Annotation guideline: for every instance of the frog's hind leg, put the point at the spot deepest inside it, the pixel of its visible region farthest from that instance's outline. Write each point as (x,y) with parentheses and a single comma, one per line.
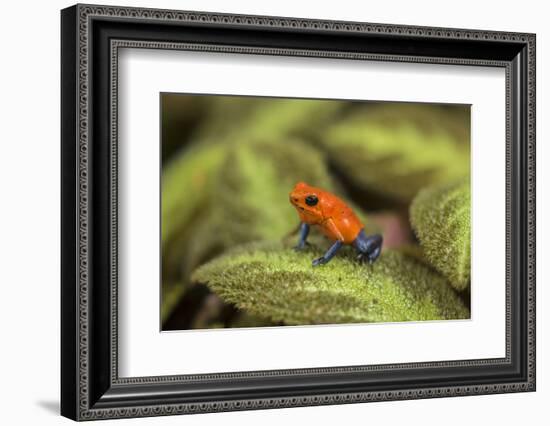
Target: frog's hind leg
(368,246)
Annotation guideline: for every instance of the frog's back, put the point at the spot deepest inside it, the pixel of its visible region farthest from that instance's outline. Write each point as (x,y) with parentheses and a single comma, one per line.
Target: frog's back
(343,217)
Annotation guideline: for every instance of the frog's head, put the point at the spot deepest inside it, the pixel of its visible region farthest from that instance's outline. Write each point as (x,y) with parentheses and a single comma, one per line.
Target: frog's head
(307,200)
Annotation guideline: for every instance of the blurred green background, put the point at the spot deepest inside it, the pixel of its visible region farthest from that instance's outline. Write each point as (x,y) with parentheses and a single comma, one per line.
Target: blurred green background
(228,164)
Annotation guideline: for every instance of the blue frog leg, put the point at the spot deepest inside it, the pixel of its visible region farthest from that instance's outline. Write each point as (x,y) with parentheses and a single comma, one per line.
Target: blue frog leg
(329,254)
(302,240)
(368,246)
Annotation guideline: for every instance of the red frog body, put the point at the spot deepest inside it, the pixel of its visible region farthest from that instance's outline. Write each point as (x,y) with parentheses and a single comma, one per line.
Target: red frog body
(317,207)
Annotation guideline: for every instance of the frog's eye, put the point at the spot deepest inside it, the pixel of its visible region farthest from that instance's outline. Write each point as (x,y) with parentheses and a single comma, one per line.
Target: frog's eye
(311,200)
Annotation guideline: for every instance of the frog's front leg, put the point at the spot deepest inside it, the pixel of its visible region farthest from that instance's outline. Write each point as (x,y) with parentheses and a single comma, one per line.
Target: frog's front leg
(333,230)
(329,254)
(304,232)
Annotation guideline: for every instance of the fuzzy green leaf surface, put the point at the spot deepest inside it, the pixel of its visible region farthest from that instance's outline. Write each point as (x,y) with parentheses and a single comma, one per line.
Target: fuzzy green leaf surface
(186,182)
(272,280)
(234,119)
(441,219)
(397,149)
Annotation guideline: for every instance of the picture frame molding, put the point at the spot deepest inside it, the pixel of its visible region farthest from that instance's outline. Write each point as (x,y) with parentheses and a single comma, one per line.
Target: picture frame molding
(91,38)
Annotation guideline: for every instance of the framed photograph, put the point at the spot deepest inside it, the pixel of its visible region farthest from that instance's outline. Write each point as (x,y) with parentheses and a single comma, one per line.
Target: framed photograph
(263,212)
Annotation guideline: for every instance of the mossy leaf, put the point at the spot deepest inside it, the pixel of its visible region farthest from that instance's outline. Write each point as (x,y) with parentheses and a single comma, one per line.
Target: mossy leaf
(272,280)
(186,182)
(397,149)
(234,119)
(186,185)
(440,217)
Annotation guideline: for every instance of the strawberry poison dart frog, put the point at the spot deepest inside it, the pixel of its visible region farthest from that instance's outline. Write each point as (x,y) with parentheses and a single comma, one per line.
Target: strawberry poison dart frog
(335,219)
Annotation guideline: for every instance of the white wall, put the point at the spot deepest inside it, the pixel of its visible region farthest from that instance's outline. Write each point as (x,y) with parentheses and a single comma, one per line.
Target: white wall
(29,212)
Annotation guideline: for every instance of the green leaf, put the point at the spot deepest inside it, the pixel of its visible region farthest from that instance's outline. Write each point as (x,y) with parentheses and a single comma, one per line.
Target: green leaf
(186,182)
(234,119)
(440,217)
(271,280)
(396,149)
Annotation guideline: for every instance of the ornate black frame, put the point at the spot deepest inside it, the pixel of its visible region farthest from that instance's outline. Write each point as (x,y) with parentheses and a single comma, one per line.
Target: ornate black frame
(91,37)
